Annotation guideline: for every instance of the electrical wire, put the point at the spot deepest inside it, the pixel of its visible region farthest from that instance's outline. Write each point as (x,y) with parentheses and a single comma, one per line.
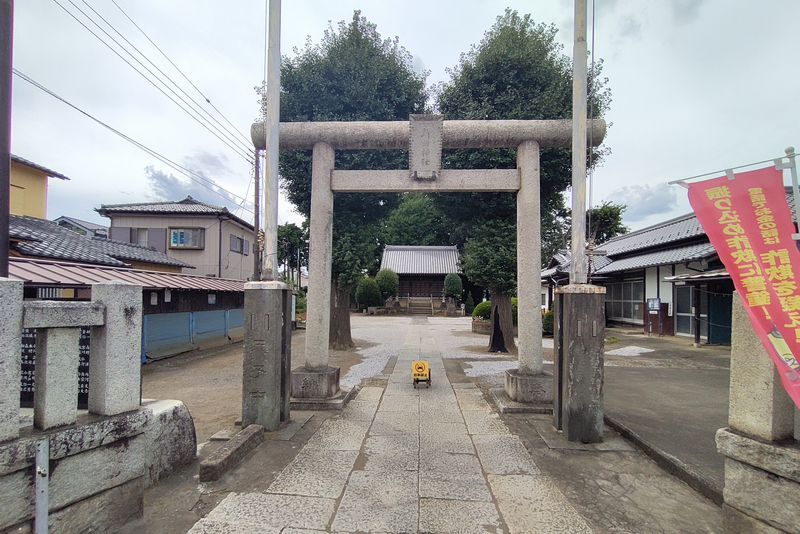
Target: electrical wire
(198,107)
(187,111)
(192,175)
(206,98)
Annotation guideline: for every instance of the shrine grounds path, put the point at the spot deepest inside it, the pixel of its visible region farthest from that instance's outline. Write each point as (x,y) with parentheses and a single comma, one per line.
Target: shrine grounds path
(433,460)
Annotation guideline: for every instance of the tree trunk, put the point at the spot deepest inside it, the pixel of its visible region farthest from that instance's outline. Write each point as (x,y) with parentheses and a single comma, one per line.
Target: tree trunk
(340,338)
(502,336)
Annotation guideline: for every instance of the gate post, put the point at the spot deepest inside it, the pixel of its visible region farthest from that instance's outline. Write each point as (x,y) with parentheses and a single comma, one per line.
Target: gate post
(528,383)
(316,385)
(262,378)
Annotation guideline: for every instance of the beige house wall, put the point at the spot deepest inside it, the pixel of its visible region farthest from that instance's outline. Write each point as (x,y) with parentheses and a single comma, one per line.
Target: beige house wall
(209,261)
(235,265)
(28,191)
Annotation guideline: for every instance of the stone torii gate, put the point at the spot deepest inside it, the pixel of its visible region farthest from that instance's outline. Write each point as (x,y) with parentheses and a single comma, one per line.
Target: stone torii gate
(424,136)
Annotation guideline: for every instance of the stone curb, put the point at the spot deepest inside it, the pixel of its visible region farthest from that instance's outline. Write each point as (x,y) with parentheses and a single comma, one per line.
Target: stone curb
(334,403)
(506,405)
(670,463)
(231,453)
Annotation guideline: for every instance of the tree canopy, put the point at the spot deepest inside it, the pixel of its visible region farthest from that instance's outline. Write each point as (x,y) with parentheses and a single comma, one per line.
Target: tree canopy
(292,247)
(351,74)
(415,221)
(605,221)
(517,71)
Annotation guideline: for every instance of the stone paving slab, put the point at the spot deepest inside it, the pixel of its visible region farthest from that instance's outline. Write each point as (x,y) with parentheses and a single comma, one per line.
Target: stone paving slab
(450,443)
(339,435)
(360,410)
(272,513)
(484,423)
(472,400)
(399,403)
(463,517)
(429,414)
(439,428)
(391,453)
(207,526)
(533,501)
(315,473)
(369,393)
(454,486)
(377,501)
(504,455)
(402,388)
(394,423)
(445,462)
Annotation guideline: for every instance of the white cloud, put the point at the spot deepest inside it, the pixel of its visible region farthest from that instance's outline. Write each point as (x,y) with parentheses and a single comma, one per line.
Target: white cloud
(643,201)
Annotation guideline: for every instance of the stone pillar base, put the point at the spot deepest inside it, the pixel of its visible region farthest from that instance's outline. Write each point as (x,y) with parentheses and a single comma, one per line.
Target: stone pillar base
(759,474)
(318,390)
(536,389)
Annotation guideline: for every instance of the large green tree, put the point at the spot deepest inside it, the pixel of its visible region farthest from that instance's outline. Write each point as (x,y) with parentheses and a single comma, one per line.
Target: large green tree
(602,223)
(490,260)
(517,71)
(292,250)
(351,74)
(415,221)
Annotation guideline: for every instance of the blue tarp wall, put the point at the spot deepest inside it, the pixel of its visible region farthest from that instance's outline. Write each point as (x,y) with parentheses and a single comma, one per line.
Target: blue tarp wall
(167,334)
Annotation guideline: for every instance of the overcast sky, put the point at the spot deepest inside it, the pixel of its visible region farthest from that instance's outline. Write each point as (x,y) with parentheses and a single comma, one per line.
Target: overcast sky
(698,85)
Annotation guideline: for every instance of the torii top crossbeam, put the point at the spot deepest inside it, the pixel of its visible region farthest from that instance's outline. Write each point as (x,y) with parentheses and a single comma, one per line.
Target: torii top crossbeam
(394,135)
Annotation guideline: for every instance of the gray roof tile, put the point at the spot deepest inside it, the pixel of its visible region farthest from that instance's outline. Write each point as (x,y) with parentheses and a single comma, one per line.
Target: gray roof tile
(660,257)
(420,260)
(187,206)
(46,239)
(40,168)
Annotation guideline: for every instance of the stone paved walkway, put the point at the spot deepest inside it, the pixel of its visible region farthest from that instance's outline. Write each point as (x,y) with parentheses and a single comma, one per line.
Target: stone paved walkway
(400,459)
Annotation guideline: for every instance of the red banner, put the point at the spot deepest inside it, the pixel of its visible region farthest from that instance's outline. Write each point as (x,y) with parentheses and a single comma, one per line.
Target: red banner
(749,222)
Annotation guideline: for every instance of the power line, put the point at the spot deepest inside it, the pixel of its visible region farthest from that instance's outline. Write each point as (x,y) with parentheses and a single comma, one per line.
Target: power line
(192,175)
(189,112)
(199,107)
(208,100)
(243,150)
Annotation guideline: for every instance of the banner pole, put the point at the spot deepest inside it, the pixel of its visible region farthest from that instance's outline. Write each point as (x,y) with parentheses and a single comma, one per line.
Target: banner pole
(792,166)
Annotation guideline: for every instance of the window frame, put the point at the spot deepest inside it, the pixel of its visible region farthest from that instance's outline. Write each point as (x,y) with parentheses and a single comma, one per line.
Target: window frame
(202,240)
(233,238)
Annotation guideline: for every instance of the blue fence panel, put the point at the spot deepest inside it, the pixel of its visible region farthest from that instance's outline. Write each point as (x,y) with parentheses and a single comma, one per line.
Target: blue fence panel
(166,334)
(209,327)
(236,324)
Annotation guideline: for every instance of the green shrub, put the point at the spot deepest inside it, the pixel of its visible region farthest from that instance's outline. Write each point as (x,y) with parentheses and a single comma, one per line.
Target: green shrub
(483,310)
(368,293)
(300,303)
(469,305)
(452,286)
(547,323)
(388,283)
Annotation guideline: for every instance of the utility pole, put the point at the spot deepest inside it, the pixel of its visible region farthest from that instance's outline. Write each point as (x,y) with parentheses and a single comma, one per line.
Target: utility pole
(271,127)
(6,56)
(257,218)
(579,328)
(577,271)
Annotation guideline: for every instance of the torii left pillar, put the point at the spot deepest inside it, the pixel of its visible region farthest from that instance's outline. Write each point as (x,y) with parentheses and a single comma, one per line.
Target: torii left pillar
(315,386)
